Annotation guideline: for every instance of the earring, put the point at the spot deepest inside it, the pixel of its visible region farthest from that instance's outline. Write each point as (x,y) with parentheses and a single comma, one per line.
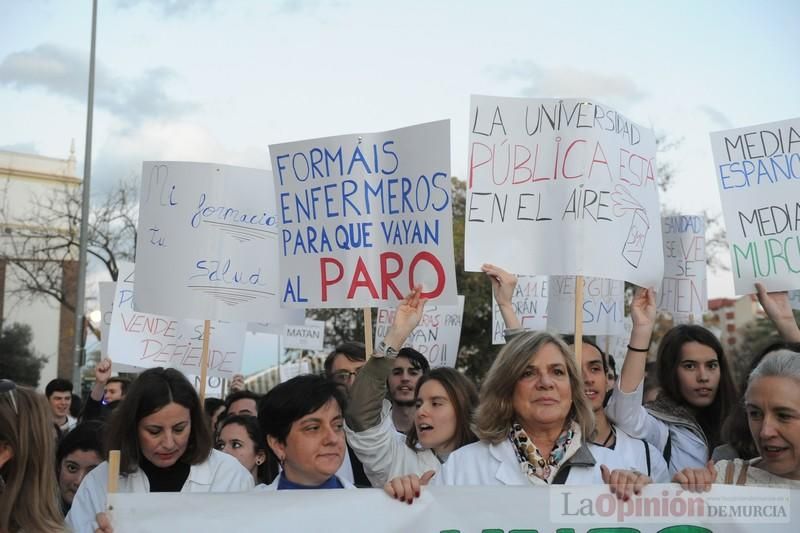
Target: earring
(258,462)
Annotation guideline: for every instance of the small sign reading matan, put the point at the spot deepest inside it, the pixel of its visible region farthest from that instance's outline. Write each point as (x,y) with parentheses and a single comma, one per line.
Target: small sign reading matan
(308,336)
(684,289)
(530,306)
(145,340)
(603,305)
(436,337)
(206,245)
(561,187)
(758,174)
(365,217)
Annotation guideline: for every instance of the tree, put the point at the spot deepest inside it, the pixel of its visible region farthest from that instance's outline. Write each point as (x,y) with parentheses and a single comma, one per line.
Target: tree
(18,362)
(51,235)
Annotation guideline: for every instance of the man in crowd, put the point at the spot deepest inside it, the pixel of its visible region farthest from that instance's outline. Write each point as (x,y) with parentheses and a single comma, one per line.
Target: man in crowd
(344,362)
(106,392)
(409,366)
(59,394)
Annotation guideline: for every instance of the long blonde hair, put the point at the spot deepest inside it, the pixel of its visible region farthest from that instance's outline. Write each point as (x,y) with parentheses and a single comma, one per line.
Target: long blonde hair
(495,412)
(29,497)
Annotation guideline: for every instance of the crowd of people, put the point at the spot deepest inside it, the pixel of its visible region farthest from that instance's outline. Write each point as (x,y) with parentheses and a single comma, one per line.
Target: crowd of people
(540,417)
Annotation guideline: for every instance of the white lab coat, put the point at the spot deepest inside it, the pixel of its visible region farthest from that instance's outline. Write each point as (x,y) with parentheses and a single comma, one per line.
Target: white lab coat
(262,487)
(219,473)
(384,453)
(626,411)
(481,463)
(628,454)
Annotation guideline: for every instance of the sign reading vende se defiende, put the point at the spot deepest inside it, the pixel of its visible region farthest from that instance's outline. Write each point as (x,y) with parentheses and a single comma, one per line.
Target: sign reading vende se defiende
(562,187)
(758,174)
(363,218)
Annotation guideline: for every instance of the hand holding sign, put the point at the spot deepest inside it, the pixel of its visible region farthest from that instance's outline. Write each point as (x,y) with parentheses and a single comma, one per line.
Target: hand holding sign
(406,318)
(779,310)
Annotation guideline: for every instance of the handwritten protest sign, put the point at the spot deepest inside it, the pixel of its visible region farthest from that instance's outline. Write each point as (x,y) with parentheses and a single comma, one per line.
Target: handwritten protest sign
(437,336)
(530,306)
(684,290)
(206,242)
(106,291)
(758,174)
(145,340)
(617,345)
(794,299)
(572,172)
(308,336)
(365,217)
(213,385)
(603,305)
(661,508)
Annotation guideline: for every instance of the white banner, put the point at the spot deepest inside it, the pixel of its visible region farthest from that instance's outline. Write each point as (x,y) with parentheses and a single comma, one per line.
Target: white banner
(206,242)
(758,173)
(684,290)
(603,305)
(308,336)
(570,177)
(660,509)
(438,335)
(365,217)
(530,306)
(145,340)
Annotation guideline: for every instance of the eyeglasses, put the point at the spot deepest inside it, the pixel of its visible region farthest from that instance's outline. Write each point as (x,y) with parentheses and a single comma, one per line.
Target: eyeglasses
(343,376)
(8,386)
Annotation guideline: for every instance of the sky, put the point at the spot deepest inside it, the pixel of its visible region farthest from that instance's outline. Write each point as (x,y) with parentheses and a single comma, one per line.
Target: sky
(214,80)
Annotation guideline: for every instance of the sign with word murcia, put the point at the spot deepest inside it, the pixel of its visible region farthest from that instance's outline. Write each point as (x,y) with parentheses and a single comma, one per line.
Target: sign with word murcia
(206,245)
(364,218)
(684,290)
(436,337)
(146,340)
(569,184)
(603,305)
(530,307)
(758,173)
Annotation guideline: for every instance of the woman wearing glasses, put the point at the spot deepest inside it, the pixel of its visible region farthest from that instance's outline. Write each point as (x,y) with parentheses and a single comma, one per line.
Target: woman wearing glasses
(28,490)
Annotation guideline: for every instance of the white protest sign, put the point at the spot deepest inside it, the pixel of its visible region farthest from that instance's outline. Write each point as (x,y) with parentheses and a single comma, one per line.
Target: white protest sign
(571,177)
(530,306)
(293,369)
(617,345)
(365,217)
(274,321)
(106,290)
(794,299)
(213,385)
(308,336)
(206,242)
(661,508)
(684,290)
(758,174)
(603,305)
(146,340)
(437,336)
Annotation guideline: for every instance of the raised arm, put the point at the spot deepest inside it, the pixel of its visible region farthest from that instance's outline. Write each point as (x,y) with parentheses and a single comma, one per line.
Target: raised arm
(369,387)
(643,315)
(93,407)
(778,309)
(503,285)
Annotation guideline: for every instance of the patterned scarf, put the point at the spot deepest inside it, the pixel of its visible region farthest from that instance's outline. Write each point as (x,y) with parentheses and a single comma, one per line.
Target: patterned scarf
(533,464)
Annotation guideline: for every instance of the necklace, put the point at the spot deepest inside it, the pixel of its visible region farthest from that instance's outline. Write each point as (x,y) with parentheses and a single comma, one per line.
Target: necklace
(611,433)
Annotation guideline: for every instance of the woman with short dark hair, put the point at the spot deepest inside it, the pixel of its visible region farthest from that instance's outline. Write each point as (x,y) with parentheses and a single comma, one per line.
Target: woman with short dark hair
(165,446)
(303,419)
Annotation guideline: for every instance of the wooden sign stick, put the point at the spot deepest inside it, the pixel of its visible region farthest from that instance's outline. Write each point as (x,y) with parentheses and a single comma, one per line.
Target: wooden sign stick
(368,330)
(204,360)
(113,473)
(578,321)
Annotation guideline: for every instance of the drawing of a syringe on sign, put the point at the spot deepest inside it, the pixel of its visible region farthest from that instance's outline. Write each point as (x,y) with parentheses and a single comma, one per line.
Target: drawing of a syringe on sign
(206,245)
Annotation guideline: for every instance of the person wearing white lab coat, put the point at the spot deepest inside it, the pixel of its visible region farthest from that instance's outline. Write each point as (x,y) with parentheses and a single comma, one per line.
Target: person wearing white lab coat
(165,446)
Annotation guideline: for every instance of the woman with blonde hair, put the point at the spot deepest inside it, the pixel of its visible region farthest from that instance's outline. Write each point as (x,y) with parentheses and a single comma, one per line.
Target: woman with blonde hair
(28,490)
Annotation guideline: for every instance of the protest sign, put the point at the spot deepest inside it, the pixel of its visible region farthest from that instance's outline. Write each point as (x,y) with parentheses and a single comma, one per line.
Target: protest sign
(308,336)
(794,299)
(366,217)
(603,305)
(684,289)
(617,345)
(106,291)
(293,369)
(437,336)
(570,177)
(213,385)
(206,242)
(530,306)
(275,319)
(146,340)
(758,174)
(478,509)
